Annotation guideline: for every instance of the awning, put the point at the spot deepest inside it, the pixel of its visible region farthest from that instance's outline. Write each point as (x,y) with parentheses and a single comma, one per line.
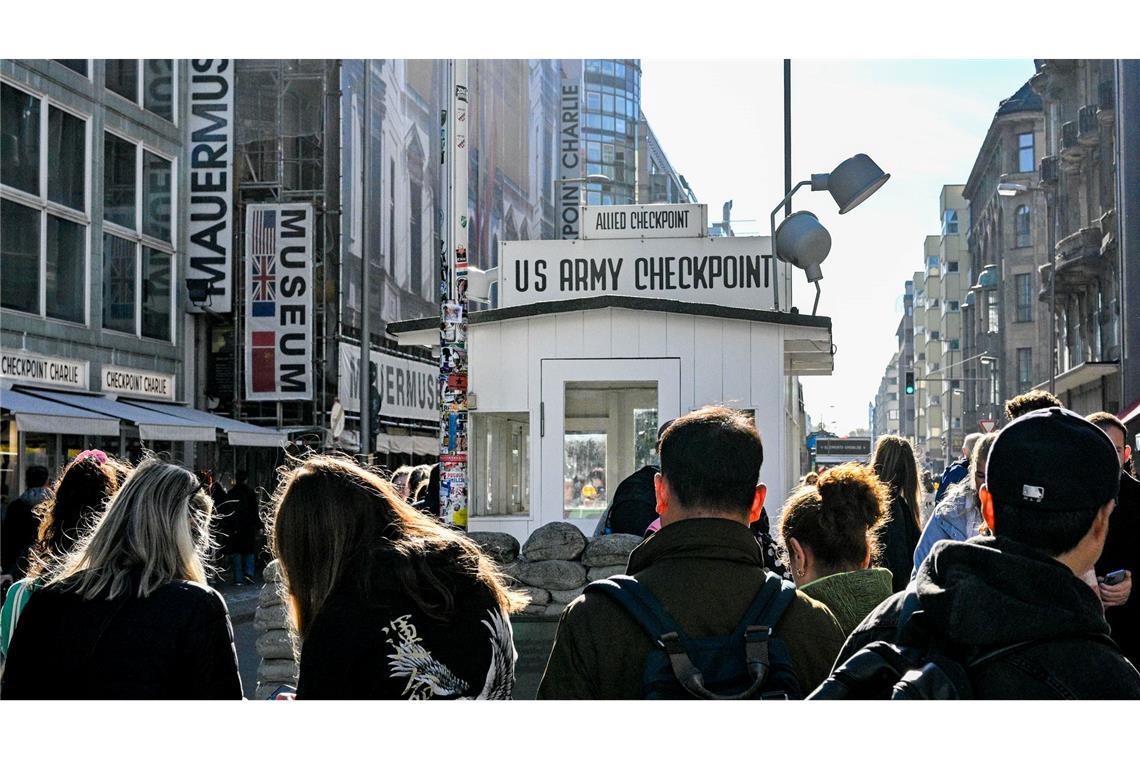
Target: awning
(420,445)
(152,425)
(237,432)
(38,415)
(1131,412)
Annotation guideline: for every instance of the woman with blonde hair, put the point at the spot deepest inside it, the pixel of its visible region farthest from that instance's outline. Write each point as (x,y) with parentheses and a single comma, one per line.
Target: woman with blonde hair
(388,602)
(895,465)
(958,516)
(127,614)
(829,531)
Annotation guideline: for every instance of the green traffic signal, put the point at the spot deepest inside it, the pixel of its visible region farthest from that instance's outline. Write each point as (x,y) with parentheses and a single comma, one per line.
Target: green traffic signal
(909,384)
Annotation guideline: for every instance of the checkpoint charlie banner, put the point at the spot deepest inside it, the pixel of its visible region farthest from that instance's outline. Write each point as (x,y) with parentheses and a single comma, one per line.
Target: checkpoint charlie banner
(279,301)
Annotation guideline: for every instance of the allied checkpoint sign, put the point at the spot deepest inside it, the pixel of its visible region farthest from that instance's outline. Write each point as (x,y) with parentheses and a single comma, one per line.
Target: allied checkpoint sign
(726,271)
(657,220)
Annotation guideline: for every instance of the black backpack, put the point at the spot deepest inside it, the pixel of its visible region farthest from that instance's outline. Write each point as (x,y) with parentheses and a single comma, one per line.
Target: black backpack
(883,670)
(749,663)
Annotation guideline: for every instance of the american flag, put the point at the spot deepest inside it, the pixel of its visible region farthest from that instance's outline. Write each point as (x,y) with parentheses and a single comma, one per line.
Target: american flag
(264,251)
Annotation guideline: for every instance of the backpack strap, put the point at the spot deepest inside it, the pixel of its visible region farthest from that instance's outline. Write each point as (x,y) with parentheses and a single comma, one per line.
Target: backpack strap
(641,605)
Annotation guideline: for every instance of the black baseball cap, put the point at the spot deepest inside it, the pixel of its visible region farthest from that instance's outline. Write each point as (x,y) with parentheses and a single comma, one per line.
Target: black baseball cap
(1053,460)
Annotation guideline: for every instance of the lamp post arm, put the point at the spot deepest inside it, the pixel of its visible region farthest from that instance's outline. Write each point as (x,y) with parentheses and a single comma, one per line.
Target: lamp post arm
(772,220)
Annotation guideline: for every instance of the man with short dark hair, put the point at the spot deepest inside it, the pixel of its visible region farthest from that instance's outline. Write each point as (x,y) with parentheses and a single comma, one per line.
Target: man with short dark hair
(1051,485)
(21,524)
(1122,547)
(1031,401)
(704,566)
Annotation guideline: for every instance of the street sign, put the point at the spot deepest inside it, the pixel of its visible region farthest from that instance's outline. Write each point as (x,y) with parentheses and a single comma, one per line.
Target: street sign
(987,426)
(850,447)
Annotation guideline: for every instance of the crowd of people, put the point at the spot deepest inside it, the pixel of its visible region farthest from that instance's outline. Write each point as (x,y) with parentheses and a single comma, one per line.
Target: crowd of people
(1017,584)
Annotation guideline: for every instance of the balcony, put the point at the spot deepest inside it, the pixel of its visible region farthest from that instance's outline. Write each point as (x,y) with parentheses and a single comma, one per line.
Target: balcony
(1049,170)
(1080,263)
(1088,128)
(1106,102)
(1071,150)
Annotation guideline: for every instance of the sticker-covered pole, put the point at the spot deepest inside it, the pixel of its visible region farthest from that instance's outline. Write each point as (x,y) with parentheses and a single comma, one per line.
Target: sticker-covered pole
(453,421)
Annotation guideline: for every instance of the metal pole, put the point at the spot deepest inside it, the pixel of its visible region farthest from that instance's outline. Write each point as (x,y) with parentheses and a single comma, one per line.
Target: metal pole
(453,416)
(788,170)
(366,431)
(1054,231)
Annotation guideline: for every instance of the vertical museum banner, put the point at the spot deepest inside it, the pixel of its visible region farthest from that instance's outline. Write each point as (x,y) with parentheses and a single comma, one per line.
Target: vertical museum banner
(209,255)
(279,301)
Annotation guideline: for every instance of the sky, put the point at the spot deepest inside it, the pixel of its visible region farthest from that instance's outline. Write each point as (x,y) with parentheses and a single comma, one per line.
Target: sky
(721,126)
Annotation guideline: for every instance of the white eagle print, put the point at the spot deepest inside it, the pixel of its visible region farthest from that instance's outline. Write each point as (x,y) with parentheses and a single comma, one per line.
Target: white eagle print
(428,678)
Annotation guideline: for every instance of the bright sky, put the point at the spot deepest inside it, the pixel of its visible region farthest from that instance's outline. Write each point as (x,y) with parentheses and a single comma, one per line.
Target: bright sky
(721,125)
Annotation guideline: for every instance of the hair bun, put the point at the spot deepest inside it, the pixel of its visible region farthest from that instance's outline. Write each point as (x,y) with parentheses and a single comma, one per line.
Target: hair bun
(852,492)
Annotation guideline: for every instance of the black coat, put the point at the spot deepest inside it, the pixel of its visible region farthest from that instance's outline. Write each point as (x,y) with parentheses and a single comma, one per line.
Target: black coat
(988,592)
(634,504)
(1122,552)
(175,644)
(242,524)
(897,541)
(18,534)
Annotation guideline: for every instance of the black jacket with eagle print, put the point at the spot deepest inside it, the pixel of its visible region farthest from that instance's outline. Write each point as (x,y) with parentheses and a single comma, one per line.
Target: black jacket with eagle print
(376,643)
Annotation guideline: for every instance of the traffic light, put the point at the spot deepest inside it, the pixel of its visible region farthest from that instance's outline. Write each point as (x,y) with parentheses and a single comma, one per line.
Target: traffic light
(909,384)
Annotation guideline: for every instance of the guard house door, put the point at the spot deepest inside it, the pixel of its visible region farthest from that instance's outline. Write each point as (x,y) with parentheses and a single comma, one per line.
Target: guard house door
(598,424)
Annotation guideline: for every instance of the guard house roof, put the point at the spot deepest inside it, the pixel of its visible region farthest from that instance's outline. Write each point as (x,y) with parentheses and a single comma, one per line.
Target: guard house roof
(806,353)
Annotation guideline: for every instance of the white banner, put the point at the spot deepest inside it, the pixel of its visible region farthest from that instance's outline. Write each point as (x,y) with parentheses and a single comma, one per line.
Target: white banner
(569,149)
(279,301)
(133,382)
(659,220)
(726,271)
(407,388)
(209,260)
(34,369)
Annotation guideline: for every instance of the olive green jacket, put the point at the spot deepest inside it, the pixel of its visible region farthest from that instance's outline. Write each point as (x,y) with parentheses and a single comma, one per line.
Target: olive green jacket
(705,572)
(851,596)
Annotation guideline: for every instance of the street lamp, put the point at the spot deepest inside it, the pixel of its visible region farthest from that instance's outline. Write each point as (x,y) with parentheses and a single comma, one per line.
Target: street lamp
(801,240)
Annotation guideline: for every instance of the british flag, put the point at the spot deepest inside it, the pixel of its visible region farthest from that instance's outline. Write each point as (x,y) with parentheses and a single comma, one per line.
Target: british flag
(263,282)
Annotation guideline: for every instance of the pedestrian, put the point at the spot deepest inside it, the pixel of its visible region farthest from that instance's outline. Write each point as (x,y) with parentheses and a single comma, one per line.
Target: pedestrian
(21,524)
(1031,401)
(959,516)
(1010,610)
(703,570)
(388,603)
(244,524)
(128,614)
(895,465)
(222,524)
(400,481)
(829,532)
(79,497)
(957,471)
(427,500)
(1121,547)
(418,479)
(634,505)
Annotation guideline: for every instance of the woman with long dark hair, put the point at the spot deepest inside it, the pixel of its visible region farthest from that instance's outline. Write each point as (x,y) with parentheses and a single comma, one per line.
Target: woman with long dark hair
(388,602)
(896,467)
(127,614)
(81,493)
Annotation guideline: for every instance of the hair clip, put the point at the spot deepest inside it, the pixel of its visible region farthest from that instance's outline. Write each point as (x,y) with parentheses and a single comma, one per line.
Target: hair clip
(96,454)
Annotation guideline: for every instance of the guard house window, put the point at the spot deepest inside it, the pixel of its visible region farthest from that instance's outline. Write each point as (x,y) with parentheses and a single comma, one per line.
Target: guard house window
(500,465)
(138,251)
(1021,220)
(950,222)
(1024,286)
(43,165)
(156,77)
(1024,369)
(1025,157)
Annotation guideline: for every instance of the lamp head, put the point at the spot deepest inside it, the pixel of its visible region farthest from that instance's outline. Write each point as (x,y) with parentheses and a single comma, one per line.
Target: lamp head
(1010,189)
(803,242)
(852,182)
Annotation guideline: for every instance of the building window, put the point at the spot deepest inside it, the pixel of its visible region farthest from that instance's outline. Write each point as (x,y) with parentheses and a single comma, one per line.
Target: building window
(950,222)
(119,181)
(952,306)
(1024,369)
(951,266)
(138,252)
(78,65)
(933,264)
(1024,285)
(1021,220)
(123,77)
(1026,161)
(43,258)
(993,321)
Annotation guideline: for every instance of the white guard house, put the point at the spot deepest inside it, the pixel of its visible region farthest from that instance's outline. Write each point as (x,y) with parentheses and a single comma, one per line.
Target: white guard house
(597,341)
